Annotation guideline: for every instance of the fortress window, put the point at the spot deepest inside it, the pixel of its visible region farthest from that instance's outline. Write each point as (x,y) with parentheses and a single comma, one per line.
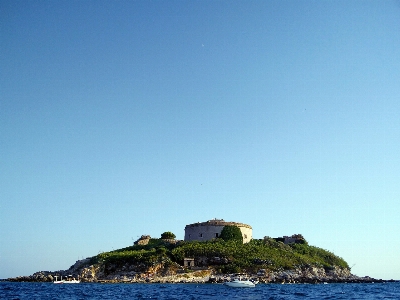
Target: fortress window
(216,235)
(200,235)
(245,236)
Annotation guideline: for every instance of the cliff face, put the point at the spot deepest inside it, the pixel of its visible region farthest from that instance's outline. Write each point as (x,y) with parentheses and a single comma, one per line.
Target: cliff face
(174,273)
(308,275)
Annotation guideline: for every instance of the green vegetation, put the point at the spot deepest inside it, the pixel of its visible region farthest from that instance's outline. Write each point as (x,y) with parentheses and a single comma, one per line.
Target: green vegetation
(231,233)
(168,235)
(225,256)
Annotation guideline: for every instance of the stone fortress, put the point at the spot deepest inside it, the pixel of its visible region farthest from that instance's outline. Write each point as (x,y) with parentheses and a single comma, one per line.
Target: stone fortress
(211,229)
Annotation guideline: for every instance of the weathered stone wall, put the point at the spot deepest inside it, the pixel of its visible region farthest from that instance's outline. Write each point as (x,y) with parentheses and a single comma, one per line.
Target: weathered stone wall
(211,229)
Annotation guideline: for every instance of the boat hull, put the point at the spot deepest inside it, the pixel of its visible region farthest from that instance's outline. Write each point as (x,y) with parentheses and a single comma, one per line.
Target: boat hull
(240,284)
(72,281)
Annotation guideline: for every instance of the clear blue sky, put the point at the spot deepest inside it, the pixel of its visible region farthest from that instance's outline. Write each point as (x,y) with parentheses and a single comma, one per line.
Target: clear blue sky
(123,118)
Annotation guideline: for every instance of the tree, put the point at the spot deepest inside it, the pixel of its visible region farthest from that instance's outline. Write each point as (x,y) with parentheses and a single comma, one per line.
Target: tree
(231,233)
(161,251)
(168,235)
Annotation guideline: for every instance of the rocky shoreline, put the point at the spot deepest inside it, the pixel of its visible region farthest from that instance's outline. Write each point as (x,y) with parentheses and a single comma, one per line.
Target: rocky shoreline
(85,272)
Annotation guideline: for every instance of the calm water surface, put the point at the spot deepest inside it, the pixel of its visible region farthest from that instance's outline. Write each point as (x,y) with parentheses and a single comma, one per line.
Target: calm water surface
(197,291)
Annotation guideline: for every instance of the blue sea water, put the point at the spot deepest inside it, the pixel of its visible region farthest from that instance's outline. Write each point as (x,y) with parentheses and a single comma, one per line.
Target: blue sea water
(10,290)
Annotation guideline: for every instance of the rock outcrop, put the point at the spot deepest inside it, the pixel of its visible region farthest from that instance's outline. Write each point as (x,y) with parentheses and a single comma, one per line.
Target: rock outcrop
(143,240)
(174,273)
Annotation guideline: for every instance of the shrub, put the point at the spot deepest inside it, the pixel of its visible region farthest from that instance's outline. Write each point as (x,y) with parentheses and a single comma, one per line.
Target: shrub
(161,251)
(231,233)
(168,235)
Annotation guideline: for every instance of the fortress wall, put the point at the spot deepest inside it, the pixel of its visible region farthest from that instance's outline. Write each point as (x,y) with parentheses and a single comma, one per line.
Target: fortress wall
(202,232)
(209,230)
(247,234)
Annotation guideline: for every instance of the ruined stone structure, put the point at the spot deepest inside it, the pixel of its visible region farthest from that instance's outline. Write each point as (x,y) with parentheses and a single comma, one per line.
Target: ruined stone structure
(294,239)
(211,229)
(143,240)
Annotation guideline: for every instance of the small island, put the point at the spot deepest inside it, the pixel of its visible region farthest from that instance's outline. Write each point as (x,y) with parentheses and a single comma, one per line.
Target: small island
(212,252)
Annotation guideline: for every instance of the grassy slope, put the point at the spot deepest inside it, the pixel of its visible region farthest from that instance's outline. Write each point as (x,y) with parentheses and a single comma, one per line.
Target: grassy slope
(258,254)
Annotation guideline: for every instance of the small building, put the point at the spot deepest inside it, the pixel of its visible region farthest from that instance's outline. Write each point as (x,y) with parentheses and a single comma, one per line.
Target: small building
(206,231)
(289,240)
(188,262)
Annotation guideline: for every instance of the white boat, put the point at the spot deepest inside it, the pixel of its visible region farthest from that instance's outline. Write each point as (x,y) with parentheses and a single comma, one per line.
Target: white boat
(238,282)
(73,280)
(69,279)
(58,281)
